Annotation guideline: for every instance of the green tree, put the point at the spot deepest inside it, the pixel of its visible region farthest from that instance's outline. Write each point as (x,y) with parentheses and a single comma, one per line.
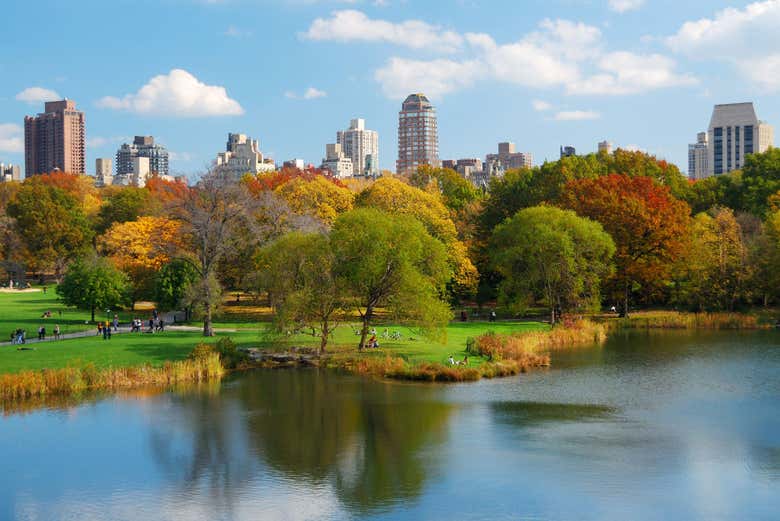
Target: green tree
(297,270)
(391,261)
(124,204)
(52,225)
(553,254)
(765,257)
(171,283)
(761,178)
(93,282)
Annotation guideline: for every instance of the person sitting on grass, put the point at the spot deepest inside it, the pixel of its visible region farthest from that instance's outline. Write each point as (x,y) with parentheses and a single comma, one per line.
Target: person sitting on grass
(372,341)
(451,360)
(465,361)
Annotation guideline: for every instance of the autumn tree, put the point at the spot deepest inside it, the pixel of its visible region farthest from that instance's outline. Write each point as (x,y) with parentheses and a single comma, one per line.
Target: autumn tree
(649,226)
(317,197)
(553,255)
(216,217)
(298,271)
(140,248)
(52,225)
(122,205)
(390,261)
(396,197)
(91,283)
(81,187)
(717,264)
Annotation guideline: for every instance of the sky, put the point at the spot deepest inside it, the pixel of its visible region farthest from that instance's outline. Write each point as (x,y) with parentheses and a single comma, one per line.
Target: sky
(643,74)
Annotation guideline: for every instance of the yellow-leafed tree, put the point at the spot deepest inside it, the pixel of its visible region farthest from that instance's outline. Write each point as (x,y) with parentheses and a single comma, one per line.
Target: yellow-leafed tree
(318,197)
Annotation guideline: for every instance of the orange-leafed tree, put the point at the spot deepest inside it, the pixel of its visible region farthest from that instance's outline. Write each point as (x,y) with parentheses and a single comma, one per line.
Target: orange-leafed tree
(140,248)
(164,193)
(79,186)
(649,226)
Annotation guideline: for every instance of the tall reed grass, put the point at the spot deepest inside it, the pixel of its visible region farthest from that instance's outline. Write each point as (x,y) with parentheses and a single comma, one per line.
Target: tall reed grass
(677,320)
(72,380)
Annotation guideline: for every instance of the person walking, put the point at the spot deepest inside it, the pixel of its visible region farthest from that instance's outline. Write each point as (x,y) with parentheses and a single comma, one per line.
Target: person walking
(57,332)
(116,322)
(42,333)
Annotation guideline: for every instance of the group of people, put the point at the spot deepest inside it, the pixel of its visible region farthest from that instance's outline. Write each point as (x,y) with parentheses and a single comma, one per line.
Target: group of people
(156,324)
(19,335)
(452,361)
(104,328)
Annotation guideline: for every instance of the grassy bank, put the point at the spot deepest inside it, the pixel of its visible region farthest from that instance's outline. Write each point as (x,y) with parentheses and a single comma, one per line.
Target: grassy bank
(74,380)
(681,320)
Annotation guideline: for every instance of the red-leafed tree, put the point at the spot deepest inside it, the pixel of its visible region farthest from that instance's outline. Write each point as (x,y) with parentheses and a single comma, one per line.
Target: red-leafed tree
(649,226)
(273,180)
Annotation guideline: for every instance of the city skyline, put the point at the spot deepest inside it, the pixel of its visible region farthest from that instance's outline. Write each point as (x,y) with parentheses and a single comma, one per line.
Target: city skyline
(587,84)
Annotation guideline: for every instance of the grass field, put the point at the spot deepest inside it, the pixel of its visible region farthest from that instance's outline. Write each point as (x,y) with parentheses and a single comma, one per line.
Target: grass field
(19,309)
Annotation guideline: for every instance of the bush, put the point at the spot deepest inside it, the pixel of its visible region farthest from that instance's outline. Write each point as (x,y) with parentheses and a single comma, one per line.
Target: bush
(229,354)
(201,352)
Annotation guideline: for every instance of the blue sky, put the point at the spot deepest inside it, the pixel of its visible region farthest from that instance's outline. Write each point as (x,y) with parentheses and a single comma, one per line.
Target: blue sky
(640,73)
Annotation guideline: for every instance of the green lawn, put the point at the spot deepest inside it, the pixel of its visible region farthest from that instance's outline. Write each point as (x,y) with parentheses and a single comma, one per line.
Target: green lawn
(25,310)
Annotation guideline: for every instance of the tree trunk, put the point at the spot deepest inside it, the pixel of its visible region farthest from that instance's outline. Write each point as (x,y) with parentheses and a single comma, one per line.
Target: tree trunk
(364,331)
(207,329)
(625,309)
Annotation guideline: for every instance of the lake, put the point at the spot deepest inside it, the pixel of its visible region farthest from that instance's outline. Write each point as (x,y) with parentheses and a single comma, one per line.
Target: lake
(661,425)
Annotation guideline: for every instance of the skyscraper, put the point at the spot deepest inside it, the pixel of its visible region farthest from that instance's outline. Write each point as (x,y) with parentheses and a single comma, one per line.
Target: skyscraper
(142,146)
(418,135)
(103,171)
(362,146)
(242,156)
(54,139)
(697,157)
(734,132)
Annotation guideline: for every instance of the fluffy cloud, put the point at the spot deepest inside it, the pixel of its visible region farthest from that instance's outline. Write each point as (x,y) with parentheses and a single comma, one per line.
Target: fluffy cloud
(310,93)
(177,93)
(35,95)
(11,138)
(350,26)
(435,77)
(621,6)
(576,115)
(557,54)
(746,38)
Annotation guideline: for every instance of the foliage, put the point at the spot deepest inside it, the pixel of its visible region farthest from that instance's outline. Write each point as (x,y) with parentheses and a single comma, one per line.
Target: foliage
(318,197)
(649,226)
(761,179)
(273,180)
(387,260)
(456,192)
(51,224)
(396,197)
(553,254)
(122,204)
(297,270)
(91,283)
(172,281)
(81,187)
(718,190)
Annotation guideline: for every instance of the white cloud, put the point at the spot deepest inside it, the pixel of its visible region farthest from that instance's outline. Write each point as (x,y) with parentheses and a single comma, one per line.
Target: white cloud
(33,95)
(621,6)
(576,115)
(400,76)
(177,93)
(310,93)
(11,138)
(746,38)
(628,73)
(540,105)
(350,25)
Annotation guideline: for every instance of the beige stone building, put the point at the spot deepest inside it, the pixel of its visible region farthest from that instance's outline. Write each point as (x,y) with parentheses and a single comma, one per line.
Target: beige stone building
(418,135)
(734,132)
(55,140)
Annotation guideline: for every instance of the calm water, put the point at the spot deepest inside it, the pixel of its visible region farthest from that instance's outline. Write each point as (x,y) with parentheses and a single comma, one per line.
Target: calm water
(659,426)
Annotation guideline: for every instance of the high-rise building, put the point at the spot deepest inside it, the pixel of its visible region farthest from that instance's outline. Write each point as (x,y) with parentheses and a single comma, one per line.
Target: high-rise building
(508,158)
(142,146)
(103,171)
(568,151)
(734,132)
(605,147)
(242,156)
(54,139)
(418,135)
(698,157)
(362,146)
(336,162)
(10,172)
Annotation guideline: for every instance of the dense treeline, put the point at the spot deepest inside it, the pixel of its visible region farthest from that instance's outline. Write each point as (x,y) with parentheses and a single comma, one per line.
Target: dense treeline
(622,230)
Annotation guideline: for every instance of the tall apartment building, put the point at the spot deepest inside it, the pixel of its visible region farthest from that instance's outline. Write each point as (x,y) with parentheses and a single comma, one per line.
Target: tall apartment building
(10,172)
(568,151)
(336,162)
(734,132)
(142,146)
(605,147)
(103,171)
(418,135)
(54,139)
(362,146)
(242,156)
(508,158)
(698,157)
